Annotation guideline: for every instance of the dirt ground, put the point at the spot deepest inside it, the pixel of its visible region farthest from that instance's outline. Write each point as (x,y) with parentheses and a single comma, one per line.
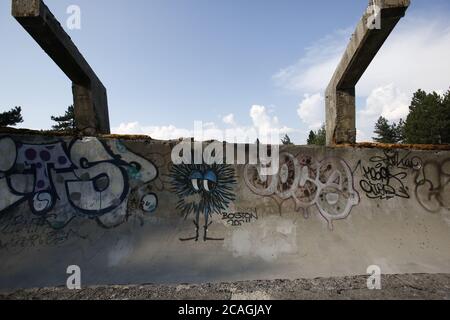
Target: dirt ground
(417,286)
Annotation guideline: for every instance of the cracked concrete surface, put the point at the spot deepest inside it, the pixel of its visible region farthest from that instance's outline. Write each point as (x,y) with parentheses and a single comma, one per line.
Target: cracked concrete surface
(408,286)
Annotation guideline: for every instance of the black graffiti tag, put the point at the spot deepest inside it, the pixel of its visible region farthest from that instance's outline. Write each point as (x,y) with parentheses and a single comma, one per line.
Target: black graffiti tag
(237,219)
(392,159)
(380,183)
(19,232)
(386,176)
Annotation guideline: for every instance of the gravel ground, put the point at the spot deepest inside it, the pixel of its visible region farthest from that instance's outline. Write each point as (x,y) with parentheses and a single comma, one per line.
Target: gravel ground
(417,286)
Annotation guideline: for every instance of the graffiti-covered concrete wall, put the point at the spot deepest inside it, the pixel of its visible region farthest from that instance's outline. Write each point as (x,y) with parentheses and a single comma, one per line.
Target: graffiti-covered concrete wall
(124,213)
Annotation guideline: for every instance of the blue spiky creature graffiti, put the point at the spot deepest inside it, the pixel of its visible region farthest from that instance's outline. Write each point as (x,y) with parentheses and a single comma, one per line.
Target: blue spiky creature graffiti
(202,190)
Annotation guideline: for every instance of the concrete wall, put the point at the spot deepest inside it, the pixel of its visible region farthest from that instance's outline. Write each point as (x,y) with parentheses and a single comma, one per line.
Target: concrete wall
(124,213)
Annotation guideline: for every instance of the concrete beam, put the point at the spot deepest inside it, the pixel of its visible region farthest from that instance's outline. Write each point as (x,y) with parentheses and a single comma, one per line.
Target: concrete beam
(90,97)
(366,41)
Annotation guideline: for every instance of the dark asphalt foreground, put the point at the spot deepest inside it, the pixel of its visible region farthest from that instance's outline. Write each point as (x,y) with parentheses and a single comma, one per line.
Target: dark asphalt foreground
(417,286)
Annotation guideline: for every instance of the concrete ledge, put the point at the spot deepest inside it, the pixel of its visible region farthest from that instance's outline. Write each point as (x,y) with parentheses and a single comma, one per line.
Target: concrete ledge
(407,286)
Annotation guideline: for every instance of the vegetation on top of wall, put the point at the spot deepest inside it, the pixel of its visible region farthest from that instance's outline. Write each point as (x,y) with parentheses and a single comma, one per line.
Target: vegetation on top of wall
(428,122)
(11,117)
(317,137)
(66,122)
(429,118)
(286,140)
(388,133)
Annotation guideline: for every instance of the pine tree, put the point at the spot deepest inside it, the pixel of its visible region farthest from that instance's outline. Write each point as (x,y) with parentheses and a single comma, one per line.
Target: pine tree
(399,131)
(384,132)
(428,121)
(389,133)
(66,122)
(311,138)
(286,140)
(445,118)
(317,138)
(321,136)
(11,117)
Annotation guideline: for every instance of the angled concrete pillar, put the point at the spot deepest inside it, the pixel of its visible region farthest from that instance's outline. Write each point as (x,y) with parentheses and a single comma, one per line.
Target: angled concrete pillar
(90,98)
(372,31)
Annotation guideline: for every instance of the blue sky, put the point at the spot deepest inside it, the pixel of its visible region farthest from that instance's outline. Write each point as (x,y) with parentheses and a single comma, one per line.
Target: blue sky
(231,64)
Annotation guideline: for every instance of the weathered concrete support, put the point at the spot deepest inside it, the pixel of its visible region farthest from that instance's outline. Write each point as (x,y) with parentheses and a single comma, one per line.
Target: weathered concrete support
(364,45)
(90,100)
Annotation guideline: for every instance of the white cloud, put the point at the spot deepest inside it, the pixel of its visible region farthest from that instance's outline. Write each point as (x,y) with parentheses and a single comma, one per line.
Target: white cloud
(156,132)
(262,120)
(265,124)
(312,110)
(415,56)
(229,119)
(387,101)
(262,126)
(313,71)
